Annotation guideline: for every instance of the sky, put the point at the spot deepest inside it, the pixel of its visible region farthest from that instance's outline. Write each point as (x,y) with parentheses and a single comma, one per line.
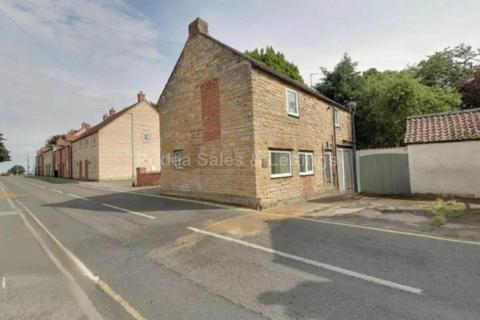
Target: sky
(65,62)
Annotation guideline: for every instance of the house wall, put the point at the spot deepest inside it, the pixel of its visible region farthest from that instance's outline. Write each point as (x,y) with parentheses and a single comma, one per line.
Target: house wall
(275,129)
(48,163)
(206,111)
(85,149)
(445,168)
(115,140)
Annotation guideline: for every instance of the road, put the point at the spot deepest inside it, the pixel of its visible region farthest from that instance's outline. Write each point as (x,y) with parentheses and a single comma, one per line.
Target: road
(160,258)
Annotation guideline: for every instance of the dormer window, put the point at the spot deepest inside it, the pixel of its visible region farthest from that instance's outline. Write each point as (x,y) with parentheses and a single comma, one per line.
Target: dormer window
(292,103)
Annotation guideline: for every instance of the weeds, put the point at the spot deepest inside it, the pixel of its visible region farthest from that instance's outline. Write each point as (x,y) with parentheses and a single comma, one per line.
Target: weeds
(442,211)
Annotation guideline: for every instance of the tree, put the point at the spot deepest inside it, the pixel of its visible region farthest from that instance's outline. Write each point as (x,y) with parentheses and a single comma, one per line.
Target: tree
(16,170)
(470,90)
(342,83)
(447,68)
(53,140)
(276,61)
(386,98)
(4,153)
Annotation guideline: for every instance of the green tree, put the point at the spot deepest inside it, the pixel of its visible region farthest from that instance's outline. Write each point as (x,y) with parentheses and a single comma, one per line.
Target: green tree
(276,60)
(4,153)
(53,139)
(342,83)
(386,98)
(447,68)
(470,90)
(16,170)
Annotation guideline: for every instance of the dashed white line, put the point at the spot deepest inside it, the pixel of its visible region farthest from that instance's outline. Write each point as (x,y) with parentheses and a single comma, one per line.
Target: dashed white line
(129,211)
(55,190)
(77,197)
(325,266)
(4,282)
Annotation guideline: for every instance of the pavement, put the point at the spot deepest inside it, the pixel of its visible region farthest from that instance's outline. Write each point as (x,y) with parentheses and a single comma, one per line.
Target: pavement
(164,258)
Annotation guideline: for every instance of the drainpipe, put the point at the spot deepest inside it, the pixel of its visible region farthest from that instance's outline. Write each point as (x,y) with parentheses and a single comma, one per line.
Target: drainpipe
(353,108)
(334,148)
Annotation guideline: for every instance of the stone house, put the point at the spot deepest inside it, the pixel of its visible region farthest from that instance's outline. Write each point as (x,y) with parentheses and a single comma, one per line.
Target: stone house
(233,130)
(123,141)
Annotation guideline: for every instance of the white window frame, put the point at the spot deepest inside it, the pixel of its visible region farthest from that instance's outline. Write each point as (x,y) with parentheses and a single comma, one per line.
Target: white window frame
(336,117)
(331,167)
(178,163)
(287,90)
(307,172)
(280,175)
(147,134)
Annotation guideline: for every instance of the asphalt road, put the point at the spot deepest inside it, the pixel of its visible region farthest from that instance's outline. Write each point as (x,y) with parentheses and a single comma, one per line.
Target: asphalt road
(172,259)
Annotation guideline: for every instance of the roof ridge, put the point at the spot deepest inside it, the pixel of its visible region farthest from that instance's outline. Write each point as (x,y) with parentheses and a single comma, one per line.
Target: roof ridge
(443,113)
(270,70)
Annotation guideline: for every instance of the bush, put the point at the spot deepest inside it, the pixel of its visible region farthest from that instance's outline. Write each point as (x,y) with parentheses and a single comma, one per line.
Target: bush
(444,210)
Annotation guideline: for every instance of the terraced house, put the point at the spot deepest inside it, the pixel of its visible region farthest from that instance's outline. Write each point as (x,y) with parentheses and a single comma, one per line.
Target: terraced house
(123,141)
(239,132)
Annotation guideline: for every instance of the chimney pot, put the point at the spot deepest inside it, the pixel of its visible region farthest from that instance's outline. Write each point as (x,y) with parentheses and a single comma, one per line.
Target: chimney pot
(85,125)
(197,26)
(111,112)
(141,96)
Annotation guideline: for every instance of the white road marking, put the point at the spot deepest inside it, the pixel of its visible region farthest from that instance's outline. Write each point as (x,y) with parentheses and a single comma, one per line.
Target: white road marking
(85,302)
(77,197)
(8,213)
(129,211)
(325,266)
(40,186)
(4,282)
(55,190)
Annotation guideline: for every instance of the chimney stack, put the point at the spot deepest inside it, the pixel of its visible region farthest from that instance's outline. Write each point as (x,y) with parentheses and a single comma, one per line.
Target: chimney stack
(197,26)
(141,96)
(85,125)
(111,112)
(105,116)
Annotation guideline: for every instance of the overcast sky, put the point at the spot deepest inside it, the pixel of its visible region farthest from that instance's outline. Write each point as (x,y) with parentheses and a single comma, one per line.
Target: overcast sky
(64,62)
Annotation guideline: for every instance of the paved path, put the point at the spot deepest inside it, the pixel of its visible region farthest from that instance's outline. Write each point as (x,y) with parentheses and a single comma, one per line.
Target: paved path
(172,259)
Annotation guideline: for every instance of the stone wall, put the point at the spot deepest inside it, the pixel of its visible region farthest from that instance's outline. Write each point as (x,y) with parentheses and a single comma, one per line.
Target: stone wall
(206,111)
(311,131)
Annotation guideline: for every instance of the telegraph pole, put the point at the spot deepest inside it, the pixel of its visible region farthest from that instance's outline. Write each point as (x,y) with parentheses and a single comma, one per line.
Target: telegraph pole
(28,163)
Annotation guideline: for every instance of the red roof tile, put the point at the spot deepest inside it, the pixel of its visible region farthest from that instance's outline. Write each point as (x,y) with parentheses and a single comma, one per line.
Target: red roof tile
(442,127)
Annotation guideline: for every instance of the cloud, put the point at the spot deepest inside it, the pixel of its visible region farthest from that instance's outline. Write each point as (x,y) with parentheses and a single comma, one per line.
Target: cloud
(64,62)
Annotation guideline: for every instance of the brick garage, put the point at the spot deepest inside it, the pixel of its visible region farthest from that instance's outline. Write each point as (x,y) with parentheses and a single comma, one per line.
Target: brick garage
(224,114)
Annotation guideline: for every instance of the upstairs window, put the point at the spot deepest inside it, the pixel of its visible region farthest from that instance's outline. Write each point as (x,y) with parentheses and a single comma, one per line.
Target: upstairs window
(305,163)
(280,164)
(336,117)
(292,103)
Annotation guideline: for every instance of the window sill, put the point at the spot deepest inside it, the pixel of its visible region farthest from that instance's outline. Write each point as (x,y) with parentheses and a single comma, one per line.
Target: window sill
(281,176)
(293,115)
(307,174)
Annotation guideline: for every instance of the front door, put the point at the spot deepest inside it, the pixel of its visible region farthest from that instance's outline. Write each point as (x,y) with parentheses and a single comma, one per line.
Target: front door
(345,169)
(86,169)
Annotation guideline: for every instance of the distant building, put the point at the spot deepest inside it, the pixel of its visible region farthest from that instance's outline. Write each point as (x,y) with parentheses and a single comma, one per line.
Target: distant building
(123,141)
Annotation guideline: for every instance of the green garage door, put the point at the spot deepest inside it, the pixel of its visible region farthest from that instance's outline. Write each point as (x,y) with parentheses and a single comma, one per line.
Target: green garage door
(384,173)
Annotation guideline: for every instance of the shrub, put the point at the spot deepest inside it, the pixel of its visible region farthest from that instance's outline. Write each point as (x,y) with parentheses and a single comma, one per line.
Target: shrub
(444,210)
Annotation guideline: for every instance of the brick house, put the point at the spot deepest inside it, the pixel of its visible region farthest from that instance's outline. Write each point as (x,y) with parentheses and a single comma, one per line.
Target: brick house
(236,131)
(123,141)
(41,169)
